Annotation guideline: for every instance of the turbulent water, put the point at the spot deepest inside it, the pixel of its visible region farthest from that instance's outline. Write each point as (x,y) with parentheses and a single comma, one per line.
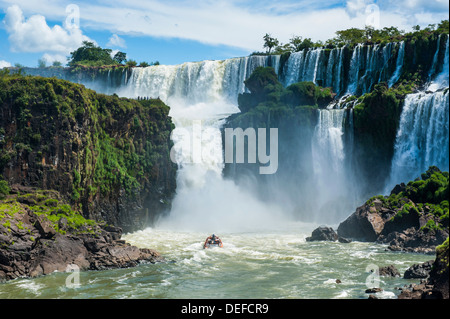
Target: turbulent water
(266,263)
(265,253)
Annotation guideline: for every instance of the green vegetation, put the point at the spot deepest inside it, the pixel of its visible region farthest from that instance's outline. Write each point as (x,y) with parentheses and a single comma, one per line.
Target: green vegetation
(48,205)
(91,55)
(352,37)
(442,253)
(42,63)
(4,188)
(109,145)
(425,196)
(377,115)
(269,104)
(270,42)
(266,91)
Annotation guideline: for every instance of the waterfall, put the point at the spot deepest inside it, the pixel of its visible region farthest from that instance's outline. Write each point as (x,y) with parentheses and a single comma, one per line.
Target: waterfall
(442,79)
(423,134)
(335,70)
(328,146)
(201,96)
(399,63)
(330,151)
(435,62)
(422,138)
(368,65)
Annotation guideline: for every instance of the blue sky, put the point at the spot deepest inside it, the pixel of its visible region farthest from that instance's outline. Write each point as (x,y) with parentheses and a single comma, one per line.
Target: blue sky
(177,31)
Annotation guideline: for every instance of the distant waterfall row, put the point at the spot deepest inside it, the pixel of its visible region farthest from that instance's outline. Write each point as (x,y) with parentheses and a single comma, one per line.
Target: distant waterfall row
(355,74)
(196,82)
(347,72)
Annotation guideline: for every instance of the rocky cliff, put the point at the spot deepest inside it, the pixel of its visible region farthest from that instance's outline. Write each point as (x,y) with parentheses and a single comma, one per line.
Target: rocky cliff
(413,218)
(107,156)
(40,233)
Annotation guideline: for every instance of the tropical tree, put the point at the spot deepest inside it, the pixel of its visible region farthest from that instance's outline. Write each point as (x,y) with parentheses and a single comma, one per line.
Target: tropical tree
(42,63)
(270,42)
(90,54)
(120,57)
(131,63)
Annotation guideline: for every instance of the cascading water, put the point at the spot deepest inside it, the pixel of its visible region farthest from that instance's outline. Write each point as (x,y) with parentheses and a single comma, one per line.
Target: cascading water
(399,63)
(423,135)
(330,163)
(368,65)
(277,263)
(206,92)
(201,96)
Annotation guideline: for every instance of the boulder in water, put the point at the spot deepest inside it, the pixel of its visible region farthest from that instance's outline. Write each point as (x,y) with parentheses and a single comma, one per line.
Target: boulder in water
(389,271)
(419,270)
(323,233)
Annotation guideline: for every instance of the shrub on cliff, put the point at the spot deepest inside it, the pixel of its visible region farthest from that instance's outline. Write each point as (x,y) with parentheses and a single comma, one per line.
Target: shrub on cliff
(425,196)
(4,189)
(93,148)
(91,55)
(267,93)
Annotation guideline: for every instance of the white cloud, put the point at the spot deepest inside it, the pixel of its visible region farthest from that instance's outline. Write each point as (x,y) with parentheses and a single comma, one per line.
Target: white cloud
(4,64)
(116,41)
(234,23)
(35,35)
(50,58)
(355,7)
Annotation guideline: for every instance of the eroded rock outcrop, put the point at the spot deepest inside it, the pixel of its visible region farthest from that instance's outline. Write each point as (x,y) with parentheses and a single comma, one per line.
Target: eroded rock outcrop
(436,284)
(414,218)
(49,236)
(105,154)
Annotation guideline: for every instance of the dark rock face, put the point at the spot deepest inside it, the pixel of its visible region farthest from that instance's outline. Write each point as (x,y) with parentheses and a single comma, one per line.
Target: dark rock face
(436,284)
(374,222)
(411,240)
(35,250)
(106,154)
(366,224)
(419,270)
(389,271)
(324,233)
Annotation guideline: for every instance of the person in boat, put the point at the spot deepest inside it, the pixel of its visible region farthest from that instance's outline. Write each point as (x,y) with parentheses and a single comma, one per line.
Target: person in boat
(213,240)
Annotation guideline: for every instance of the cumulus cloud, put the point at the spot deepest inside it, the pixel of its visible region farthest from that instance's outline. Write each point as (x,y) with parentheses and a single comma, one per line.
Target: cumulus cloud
(116,41)
(50,58)
(355,7)
(235,23)
(35,35)
(4,64)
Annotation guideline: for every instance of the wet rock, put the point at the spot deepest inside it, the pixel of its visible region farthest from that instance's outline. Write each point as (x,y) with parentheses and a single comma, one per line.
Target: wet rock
(398,189)
(389,271)
(365,224)
(344,240)
(373,290)
(436,285)
(323,233)
(419,270)
(41,250)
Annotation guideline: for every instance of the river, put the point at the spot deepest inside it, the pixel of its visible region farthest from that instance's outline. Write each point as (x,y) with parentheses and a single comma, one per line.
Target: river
(265,263)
